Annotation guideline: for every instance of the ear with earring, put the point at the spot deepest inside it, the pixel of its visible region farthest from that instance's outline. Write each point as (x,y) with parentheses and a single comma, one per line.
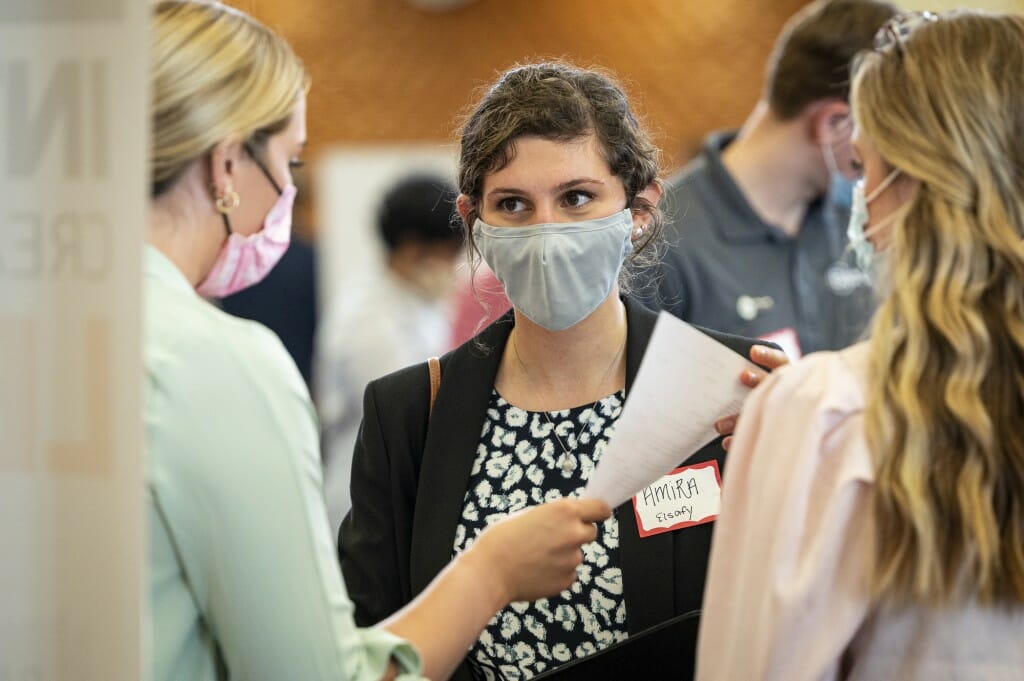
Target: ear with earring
(226,201)
(638,232)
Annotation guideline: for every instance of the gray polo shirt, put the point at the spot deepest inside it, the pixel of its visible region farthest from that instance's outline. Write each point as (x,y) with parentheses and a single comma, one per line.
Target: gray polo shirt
(728,270)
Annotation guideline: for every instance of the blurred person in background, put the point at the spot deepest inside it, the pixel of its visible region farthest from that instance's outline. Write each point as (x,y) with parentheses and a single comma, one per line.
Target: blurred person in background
(480,301)
(872,522)
(395,314)
(757,223)
(243,582)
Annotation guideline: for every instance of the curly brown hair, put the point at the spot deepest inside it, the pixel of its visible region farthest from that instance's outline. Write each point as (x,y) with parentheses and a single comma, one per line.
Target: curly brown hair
(560,101)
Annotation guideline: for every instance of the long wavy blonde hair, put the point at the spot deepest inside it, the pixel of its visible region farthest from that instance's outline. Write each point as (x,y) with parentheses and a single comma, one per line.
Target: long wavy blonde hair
(946,408)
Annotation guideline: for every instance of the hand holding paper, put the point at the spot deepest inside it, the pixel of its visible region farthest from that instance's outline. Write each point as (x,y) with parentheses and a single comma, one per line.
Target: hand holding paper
(687,380)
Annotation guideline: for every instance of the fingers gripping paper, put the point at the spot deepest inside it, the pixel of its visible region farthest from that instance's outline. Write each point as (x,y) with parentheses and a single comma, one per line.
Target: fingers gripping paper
(686,382)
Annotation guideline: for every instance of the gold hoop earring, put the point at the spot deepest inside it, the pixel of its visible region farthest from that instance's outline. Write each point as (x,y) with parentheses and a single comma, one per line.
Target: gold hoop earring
(227,201)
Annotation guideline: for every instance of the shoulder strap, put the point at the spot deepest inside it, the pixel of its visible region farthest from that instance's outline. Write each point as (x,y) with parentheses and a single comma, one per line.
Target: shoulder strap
(434,366)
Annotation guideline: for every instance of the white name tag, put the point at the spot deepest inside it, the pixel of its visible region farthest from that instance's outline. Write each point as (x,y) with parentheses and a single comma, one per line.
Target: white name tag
(688,496)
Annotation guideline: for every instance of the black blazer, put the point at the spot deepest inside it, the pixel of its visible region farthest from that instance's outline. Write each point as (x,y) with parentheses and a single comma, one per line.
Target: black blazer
(409,482)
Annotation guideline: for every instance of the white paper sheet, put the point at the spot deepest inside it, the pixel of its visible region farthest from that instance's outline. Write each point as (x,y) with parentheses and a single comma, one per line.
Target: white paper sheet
(686,382)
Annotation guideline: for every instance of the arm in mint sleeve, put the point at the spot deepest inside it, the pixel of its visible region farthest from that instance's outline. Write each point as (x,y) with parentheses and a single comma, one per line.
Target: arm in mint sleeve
(245,509)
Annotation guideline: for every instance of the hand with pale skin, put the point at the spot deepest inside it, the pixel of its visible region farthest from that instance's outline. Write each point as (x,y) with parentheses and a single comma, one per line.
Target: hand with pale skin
(524,557)
(764,356)
(535,552)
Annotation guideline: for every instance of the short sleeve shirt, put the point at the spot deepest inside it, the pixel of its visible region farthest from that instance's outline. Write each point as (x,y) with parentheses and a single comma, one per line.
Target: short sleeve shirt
(728,270)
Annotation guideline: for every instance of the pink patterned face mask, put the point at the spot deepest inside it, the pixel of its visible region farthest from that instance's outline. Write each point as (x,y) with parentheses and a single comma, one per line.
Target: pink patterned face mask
(246,260)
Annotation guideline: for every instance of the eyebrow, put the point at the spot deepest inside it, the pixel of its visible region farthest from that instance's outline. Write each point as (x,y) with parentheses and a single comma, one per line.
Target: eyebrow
(562,187)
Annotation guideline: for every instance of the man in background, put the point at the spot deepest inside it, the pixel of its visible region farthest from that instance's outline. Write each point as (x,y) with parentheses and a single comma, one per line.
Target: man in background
(757,222)
(392,315)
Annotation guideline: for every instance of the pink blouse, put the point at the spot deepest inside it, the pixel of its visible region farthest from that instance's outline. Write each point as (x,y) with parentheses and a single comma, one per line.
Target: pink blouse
(787,594)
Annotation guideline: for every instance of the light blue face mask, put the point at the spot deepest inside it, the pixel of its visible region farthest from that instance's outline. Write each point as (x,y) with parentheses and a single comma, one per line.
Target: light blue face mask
(557,274)
(861,245)
(840,189)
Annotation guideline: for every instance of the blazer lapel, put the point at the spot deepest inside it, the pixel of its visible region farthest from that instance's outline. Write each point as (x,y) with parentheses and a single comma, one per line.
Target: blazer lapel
(648,571)
(467,378)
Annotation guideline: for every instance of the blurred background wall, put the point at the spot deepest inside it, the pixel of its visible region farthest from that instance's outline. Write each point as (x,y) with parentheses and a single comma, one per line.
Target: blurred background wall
(391,79)
(385,71)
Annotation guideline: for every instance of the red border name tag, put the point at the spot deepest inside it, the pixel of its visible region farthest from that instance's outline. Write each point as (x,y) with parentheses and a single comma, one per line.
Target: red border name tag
(688,496)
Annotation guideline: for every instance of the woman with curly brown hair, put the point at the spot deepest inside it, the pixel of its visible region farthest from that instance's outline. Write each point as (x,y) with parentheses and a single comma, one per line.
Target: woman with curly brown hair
(558,187)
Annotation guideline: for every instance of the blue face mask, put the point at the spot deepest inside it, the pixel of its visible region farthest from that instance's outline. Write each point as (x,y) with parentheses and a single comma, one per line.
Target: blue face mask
(557,274)
(858,231)
(840,189)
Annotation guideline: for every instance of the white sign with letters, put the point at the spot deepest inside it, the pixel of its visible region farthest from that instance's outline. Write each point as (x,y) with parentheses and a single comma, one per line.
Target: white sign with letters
(73,148)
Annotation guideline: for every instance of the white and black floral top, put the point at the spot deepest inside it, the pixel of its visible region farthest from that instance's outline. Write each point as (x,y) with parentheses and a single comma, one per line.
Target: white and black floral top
(520,463)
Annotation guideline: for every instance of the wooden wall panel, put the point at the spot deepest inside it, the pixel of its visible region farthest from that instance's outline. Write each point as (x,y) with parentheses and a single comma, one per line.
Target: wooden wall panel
(385,71)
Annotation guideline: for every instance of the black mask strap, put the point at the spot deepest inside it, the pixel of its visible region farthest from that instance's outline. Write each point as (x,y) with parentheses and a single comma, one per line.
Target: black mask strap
(266,173)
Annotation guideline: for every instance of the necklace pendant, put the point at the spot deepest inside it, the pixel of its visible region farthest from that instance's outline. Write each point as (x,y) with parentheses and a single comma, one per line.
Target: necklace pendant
(568,465)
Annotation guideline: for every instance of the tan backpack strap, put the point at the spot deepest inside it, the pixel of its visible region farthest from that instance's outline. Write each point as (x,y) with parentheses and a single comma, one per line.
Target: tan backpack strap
(434,365)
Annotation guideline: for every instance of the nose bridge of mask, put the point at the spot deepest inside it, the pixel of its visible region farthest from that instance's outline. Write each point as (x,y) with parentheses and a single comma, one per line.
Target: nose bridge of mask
(594,225)
(551,233)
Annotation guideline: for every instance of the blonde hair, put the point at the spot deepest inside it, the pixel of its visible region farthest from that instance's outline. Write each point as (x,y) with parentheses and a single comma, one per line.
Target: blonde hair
(215,72)
(946,405)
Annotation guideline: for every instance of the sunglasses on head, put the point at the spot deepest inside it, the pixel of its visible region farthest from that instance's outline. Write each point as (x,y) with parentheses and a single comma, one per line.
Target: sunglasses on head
(896,30)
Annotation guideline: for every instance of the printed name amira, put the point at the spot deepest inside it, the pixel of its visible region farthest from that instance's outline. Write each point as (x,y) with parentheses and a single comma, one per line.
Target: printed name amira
(680,488)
